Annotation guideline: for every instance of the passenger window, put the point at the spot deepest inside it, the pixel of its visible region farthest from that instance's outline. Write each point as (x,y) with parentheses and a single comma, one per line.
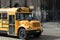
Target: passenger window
(0,15)
(4,15)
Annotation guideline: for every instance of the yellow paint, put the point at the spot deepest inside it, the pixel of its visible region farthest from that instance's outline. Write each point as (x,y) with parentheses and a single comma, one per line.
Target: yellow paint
(6,29)
(4,24)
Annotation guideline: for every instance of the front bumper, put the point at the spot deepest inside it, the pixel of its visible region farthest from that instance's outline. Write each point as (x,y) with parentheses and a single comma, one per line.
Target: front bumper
(31,32)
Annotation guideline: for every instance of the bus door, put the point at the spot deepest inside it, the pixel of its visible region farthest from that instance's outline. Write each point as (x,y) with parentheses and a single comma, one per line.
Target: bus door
(12,24)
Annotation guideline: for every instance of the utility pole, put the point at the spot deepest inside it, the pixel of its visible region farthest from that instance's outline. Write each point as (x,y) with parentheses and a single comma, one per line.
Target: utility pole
(42,7)
(0,3)
(10,3)
(25,3)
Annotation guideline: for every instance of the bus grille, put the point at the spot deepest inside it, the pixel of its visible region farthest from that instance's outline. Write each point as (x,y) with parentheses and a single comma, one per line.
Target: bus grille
(37,24)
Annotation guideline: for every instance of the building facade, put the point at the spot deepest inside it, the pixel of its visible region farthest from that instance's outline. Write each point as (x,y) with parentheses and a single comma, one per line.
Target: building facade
(6,3)
(49,9)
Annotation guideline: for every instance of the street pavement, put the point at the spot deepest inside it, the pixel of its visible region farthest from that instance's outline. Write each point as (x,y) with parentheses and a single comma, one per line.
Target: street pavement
(51,31)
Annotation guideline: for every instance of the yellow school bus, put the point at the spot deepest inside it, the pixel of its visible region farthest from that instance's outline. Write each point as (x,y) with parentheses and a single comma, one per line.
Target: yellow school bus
(19,22)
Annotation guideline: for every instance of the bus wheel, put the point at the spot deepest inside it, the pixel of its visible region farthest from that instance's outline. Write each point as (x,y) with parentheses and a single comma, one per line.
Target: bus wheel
(22,34)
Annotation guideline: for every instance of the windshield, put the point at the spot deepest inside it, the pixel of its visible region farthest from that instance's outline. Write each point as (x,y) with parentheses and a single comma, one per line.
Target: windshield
(24,16)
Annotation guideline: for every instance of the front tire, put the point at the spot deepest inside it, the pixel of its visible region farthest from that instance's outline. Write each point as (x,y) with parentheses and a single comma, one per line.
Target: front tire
(22,34)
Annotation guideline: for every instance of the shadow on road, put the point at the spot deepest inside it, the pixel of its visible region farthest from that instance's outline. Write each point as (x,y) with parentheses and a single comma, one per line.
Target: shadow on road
(43,37)
(5,35)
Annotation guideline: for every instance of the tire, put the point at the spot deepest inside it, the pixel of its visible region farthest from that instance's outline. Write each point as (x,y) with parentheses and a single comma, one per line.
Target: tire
(37,35)
(22,34)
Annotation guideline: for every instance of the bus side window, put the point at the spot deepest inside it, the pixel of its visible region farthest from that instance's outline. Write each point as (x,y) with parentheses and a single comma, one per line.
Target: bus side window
(4,15)
(0,15)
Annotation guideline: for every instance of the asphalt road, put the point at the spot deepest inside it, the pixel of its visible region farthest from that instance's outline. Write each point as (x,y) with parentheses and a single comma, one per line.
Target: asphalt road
(48,34)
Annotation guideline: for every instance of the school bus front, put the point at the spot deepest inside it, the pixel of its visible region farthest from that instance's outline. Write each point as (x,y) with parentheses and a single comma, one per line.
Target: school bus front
(27,25)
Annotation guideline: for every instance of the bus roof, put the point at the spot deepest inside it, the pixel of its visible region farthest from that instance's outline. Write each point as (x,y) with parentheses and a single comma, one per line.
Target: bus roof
(8,9)
(14,10)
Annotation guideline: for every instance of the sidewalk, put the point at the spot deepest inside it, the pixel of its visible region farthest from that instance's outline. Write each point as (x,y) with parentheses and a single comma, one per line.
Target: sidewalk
(51,25)
(51,28)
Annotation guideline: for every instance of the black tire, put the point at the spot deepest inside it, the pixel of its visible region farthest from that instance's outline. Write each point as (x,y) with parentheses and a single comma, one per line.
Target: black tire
(22,34)
(37,35)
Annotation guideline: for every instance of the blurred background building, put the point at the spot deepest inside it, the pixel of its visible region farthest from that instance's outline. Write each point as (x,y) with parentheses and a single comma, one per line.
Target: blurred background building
(48,10)
(20,3)
(52,8)
(6,3)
